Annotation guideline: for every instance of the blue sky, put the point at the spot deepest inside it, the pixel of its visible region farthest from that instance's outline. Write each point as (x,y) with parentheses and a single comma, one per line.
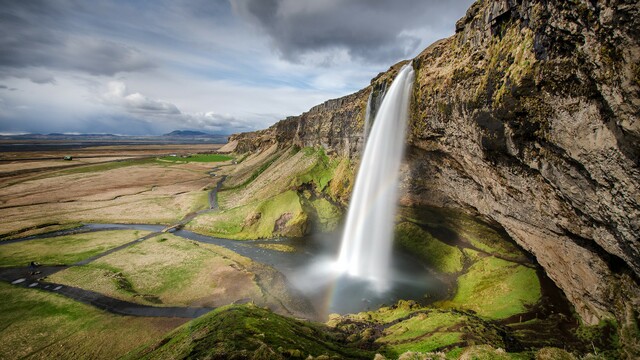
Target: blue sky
(149,67)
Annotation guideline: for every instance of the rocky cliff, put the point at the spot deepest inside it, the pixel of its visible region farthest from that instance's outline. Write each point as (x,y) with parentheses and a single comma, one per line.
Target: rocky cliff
(527,116)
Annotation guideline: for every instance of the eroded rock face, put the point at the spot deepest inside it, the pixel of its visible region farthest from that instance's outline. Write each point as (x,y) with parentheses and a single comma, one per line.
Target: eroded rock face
(528,116)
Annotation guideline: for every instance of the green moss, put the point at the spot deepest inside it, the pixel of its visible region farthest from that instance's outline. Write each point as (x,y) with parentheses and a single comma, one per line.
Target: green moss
(248,331)
(419,325)
(328,214)
(256,220)
(472,231)
(495,288)
(320,173)
(435,341)
(442,257)
(603,338)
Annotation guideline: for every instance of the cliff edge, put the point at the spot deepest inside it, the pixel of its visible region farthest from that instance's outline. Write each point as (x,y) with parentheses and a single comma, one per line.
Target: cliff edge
(527,116)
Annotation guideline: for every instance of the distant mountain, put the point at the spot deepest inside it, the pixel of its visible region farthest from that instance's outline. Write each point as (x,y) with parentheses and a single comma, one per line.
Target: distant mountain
(189,133)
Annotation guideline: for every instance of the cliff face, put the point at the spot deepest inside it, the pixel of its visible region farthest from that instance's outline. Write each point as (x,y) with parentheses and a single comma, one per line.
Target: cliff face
(528,116)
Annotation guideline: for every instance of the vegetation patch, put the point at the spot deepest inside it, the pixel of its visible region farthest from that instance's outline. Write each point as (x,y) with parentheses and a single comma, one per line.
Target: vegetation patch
(327,215)
(465,230)
(495,288)
(65,250)
(257,220)
(38,324)
(440,256)
(202,158)
(247,331)
(172,272)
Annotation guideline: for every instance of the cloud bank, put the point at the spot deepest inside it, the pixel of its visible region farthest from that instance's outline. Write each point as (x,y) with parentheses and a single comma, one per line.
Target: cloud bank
(214,65)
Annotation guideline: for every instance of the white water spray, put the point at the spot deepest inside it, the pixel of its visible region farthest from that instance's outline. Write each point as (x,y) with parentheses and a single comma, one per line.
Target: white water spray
(367,240)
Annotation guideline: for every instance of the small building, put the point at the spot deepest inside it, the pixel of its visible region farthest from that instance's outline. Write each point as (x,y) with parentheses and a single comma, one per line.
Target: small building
(68,158)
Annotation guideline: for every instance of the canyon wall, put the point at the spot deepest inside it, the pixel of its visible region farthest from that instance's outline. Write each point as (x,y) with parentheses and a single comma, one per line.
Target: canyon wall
(527,116)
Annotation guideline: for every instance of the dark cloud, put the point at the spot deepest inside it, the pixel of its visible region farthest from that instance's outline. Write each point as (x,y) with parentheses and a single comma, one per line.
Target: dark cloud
(5,87)
(377,31)
(35,34)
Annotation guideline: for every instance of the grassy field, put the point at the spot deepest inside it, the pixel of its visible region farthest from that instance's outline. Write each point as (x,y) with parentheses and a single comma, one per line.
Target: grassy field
(124,192)
(171,271)
(39,325)
(64,249)
(203,158)
(496,289)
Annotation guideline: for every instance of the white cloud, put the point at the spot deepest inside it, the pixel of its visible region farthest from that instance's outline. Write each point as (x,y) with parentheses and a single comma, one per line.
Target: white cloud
(117,94)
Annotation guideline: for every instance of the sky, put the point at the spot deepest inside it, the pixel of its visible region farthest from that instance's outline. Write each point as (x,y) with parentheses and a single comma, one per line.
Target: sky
(143,67)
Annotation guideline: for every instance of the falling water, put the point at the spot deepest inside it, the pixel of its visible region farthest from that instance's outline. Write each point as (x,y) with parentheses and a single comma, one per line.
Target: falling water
(366,243)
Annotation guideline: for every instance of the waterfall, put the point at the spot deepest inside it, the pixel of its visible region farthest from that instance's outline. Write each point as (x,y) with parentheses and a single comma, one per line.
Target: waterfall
(367,240)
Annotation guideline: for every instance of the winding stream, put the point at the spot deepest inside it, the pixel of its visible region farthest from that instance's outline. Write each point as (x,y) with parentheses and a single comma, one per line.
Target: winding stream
(327,292)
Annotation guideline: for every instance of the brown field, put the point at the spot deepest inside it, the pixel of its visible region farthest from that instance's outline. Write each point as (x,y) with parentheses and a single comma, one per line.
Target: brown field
(16,163)
(130,191)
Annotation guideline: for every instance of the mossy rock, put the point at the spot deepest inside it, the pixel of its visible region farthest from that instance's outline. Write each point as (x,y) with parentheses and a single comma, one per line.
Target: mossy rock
(442,257)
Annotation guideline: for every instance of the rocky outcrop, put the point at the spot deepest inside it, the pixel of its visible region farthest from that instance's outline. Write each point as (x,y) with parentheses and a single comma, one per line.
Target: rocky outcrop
(528,116)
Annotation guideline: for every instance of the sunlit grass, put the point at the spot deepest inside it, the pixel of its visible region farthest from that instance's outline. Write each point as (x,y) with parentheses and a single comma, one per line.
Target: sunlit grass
(64,249)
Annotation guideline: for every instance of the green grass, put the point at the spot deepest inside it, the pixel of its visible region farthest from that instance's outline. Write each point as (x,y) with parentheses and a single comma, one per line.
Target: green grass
(471,230)
(247,331)
(37,324)
(255,220)
(383,315)
(433,342)
(320,173)
(496,289)
(64,249)
(203,158)
(440,256)
(420,325)
(167,270)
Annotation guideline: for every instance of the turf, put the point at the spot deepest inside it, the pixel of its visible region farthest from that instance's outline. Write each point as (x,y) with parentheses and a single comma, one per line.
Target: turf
(247,331)
(497,289)
(166,270)
(41,325)
(64,249)
(442,257)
